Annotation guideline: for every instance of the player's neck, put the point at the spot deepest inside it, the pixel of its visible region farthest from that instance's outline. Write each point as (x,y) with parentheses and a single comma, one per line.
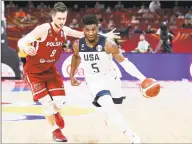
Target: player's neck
(92,45)
(55,28)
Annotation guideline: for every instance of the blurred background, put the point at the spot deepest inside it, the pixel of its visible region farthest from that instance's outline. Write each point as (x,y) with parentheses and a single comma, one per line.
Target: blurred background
(155,35)
(138,22)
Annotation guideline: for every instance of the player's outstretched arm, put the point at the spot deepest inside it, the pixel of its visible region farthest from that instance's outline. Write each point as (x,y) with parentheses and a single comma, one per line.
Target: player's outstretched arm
(79,34)
(75,61)
(24,43)
(73,33)
(112,35)
(111,47)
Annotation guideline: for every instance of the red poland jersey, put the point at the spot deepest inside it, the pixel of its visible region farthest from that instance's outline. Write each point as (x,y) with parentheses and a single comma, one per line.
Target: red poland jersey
(49,49)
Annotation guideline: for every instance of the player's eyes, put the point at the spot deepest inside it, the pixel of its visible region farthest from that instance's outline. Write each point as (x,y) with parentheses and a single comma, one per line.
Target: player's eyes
(90,30)
(61,18)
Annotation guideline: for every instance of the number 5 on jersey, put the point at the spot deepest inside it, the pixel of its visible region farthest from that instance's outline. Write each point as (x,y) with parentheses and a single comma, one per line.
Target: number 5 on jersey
(53,53)
(94,66)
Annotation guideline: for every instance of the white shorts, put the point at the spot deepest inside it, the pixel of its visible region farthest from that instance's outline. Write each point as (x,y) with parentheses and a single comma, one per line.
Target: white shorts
(97,83)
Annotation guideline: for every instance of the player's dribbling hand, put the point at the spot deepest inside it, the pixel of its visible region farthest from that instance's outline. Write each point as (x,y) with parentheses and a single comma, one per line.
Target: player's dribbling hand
(74,81)
(30,50)
(113,35)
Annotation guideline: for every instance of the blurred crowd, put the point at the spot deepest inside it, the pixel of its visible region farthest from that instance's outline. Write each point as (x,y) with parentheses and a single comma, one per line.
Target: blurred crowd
(144,19)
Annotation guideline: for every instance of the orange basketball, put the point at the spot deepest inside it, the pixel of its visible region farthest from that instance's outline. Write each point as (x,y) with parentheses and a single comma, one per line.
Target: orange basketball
(150,88)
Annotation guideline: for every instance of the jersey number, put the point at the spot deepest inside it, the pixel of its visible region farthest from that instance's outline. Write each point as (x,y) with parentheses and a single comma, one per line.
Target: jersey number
(53,53)
(94,66)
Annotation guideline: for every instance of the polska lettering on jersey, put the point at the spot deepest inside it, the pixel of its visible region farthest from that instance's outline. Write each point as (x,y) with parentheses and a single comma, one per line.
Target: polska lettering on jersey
(54,44)
(91,57)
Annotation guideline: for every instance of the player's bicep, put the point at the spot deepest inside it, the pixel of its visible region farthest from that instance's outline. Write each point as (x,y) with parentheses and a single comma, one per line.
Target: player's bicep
(38,32)
(118,57)
(114,50)
(76,48)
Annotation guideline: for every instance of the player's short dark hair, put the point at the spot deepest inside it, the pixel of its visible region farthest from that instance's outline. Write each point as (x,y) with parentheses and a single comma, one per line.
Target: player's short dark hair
(89,19)
(59,7)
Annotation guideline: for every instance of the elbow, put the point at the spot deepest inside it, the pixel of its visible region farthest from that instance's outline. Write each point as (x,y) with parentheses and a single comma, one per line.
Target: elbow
(22,44)
(77,58)
(19,43)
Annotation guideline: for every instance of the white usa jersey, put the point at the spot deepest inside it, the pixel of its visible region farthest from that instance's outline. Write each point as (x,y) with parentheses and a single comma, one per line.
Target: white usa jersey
(95,60)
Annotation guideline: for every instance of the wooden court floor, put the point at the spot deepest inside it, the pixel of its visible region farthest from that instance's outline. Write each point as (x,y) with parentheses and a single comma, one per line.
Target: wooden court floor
(164,119)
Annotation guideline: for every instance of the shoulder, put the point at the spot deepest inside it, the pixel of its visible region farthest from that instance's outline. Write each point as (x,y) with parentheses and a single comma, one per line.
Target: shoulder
(111,46)
(42,30)
(44,26)
(110,43)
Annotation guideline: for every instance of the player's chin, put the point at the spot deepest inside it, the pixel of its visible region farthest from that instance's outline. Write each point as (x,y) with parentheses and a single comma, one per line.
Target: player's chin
(91,40)
(61,26)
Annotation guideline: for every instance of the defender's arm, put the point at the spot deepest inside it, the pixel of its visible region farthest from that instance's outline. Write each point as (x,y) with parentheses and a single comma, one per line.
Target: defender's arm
(80,34)
(38,32)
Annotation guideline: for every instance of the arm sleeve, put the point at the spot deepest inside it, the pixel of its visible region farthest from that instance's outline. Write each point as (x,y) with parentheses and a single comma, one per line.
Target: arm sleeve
(130,68)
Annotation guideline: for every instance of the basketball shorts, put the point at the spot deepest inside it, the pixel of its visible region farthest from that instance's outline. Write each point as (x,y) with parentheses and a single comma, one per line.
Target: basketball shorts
(97,84)
(47,83)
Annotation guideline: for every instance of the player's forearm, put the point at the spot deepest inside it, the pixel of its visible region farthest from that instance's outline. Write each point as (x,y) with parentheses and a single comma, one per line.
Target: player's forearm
(24,42)
(73,33)
(132,69)
(78,61)
(77,34)
(81,34)
(74,65)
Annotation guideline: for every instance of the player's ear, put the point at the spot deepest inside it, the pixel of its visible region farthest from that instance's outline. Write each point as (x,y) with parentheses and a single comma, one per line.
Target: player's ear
(52,16)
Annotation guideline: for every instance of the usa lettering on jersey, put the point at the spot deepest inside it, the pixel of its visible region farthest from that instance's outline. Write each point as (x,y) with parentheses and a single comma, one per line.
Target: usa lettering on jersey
(91,57)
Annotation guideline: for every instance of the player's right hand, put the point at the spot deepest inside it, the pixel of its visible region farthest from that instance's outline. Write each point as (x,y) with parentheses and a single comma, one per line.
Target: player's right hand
(30,50)
(74,81)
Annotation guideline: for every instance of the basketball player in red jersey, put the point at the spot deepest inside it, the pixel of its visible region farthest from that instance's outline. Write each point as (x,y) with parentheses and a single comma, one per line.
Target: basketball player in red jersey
(43,47)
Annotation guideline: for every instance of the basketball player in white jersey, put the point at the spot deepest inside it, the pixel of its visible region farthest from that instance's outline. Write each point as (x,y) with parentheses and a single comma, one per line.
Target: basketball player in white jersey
(96,53)
(43,47)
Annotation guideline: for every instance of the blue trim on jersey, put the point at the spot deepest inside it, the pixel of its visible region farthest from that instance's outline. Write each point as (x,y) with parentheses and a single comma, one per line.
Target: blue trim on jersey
(103,92)
(99,47)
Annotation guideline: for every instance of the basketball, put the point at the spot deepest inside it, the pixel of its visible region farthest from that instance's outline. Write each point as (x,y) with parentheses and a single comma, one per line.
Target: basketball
(150,88)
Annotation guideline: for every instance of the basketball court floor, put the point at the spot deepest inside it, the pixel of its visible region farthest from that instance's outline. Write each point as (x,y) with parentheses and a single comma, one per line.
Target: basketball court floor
(163,119)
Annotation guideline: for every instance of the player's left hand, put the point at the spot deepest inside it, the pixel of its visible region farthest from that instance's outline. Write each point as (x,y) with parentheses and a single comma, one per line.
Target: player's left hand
(112,35)
(74,81)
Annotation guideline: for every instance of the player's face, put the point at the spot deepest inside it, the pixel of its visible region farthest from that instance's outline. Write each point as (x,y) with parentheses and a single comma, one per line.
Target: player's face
(59,19)
(91,32)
